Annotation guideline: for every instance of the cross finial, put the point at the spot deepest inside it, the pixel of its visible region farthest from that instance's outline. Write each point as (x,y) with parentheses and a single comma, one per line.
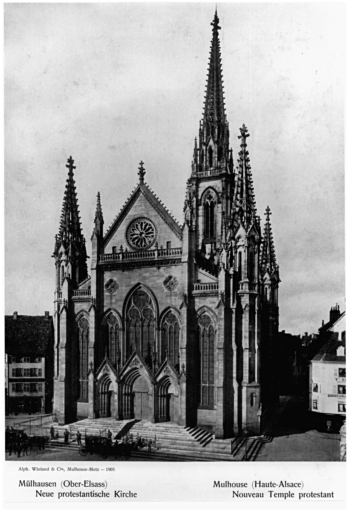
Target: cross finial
(267,213)
(70,165)
(244,133)
(141,172)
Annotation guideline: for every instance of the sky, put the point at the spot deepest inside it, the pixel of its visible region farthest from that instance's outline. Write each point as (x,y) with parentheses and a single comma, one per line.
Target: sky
(114,84)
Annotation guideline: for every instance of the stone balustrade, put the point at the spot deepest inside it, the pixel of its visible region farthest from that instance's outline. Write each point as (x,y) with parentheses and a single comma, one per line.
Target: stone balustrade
(82,293)
(141,255)
(205,287)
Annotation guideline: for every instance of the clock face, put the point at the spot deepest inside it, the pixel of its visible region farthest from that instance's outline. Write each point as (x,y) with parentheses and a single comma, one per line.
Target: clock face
(141,233)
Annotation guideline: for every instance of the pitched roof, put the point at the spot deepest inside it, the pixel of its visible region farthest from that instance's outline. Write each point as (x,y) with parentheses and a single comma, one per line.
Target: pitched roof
(28,335)
(142,188)
(328,352)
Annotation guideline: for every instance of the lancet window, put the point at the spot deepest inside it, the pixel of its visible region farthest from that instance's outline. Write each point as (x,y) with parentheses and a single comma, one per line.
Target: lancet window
(206,346)
(83,340)
(210,216)
(170,339)
(113,339)
(140,334)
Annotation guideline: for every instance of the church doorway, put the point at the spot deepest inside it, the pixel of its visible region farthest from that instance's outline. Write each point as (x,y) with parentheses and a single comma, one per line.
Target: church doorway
(141,399)
(165,401)
(105,398)
(135,397)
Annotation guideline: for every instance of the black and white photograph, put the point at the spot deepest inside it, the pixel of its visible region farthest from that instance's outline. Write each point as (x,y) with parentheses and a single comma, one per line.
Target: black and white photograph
(175,252)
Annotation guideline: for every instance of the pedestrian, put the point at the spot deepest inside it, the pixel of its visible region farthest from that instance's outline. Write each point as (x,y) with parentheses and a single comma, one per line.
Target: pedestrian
(109,435)
(149,445)
(66,436)
(52,432)
(78,437)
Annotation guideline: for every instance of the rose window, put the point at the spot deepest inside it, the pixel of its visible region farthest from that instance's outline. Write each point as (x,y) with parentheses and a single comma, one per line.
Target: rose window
(141,233)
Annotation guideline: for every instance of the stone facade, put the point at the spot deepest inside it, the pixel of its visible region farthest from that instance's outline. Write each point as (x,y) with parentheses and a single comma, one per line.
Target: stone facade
(175,322)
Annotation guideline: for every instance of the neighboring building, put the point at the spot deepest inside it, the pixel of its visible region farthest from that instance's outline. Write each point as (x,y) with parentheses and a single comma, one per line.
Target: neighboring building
(327,379)
(29,353)
(293,366)
(175,322)
(315,342)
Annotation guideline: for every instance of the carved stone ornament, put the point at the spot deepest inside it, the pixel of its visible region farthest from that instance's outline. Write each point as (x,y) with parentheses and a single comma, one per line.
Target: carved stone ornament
(106,369)
(135,362)
(170,283)
(111,286)
(167,370)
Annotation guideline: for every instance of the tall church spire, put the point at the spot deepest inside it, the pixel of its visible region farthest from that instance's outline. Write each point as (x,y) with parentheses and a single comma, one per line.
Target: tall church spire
(214,112)
(244,205)
(268,253)
(70,244)
(213,148)
(70,226)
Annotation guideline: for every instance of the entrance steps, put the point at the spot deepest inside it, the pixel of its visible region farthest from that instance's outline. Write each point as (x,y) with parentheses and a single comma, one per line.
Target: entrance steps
(94,427)
(170,442)
(179,443)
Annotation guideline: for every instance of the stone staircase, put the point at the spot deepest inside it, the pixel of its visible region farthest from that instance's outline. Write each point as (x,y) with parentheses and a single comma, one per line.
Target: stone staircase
(170,442)
(89,427)
(202,436)
(183,443)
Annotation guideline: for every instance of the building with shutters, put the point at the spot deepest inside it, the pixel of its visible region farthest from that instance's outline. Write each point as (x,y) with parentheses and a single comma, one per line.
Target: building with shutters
(175,322)
(29,359)
(327,379)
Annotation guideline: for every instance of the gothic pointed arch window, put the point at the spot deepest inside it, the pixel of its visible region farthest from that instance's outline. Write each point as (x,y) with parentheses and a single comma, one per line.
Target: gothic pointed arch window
(140,325)
(209,216)
(170,332)
(206,374)
(112,344)
(210,156)
(83,341)
(220,153)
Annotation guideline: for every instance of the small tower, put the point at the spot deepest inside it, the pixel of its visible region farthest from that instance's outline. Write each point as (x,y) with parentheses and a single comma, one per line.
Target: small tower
(97,244)
(270,314)
(245,243)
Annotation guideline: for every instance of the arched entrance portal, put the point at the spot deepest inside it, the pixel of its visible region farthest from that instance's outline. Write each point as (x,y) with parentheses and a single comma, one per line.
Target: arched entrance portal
(141,399)
(135,397)
(106,395)
(165,400)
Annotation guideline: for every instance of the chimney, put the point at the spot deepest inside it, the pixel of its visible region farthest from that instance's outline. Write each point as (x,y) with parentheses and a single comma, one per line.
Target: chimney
(15,314)
(334,313)
(47,314)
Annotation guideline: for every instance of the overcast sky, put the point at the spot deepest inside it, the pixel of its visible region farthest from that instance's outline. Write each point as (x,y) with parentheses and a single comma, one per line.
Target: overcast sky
(113,84)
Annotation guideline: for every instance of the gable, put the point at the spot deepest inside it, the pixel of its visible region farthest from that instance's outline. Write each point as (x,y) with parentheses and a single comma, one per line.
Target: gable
(143,205)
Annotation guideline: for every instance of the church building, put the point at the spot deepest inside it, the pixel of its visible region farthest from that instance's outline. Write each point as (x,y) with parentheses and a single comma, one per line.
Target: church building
(175,322)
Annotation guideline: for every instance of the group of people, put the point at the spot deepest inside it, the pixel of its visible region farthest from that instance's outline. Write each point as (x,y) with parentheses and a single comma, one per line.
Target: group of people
(66,435)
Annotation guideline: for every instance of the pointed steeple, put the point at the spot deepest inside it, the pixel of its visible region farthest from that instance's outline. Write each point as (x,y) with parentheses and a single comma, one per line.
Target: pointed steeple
(70,226)
(214,111)
(99,216)
(212,150)
(268,260)
(70,242)
(244,205)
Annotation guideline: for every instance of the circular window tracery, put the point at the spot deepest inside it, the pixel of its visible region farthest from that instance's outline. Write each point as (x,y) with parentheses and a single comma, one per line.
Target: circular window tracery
(141,233)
